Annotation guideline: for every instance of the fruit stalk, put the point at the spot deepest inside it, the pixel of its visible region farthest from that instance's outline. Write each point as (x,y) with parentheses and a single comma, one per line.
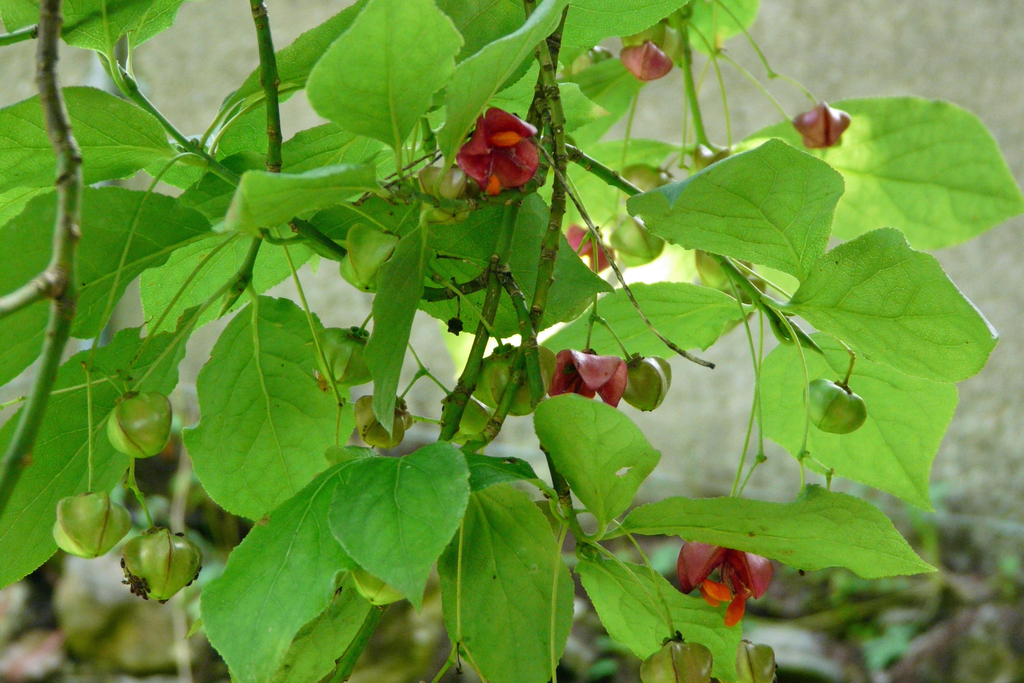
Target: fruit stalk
(66,232)
(27,33)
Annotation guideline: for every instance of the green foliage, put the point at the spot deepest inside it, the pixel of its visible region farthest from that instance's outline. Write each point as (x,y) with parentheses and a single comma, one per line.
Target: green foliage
(265,422)
(505,588)
(610,86)
(641,609)
(600,452)
(820,529)
(591,21)
(893,451)
(394,516)
(926,167)
(252,615)
(896,306)
(772,205)
(327,145)
(717,21)
(485,471)
(398,70)
(481,22)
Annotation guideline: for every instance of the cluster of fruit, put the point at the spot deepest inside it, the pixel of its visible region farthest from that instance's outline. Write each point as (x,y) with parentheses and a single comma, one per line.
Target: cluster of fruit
(682,662)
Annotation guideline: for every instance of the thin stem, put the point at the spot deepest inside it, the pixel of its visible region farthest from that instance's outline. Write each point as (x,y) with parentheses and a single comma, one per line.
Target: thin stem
(596,168)
(713,54)
(757,461)
(27,33)
(426,371)
(750,77)
(447,665)
(849,370)
(243,278)
(659,605)
(133,486)
(318,242)
(554,602)
(88,417)
(604,323)
(347,662)
(807,400)
(12,402)
(657,585)
(691,90)
(629,128)
(269,80)
(757,381)
(527,337)
(66,232)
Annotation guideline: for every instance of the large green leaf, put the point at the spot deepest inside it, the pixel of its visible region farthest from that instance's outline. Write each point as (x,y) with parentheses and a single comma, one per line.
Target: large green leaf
(321,643)
(477,79)
(266,200)
(716,21)
(895,447)
(818,530)
(280,578)
(107,216)
(400,219)
(896,306)
(926,167)
(599,451)
(265,421)
(591,21)
(689,315)
(160,286)
(399,285)
(482,21)
(60,458)
(379,77)
(116,138)
(296,61)
(394,516)
(99,24)
(486,471)
(610,86)
(498,585)
(636,605)
(772,205)
(326,145)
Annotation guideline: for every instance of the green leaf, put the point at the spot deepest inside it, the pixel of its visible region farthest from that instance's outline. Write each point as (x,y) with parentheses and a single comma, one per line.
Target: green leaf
(161,285)
(326,145)
(266,200)
(265,421)
(893,450)
(486,471)
(896,306)
(379,77)
(498,588)
(278,579)
(772,205)
(107,216)
(690,315)
(61,453)
(399,285)
(400,219)
(818,530)
(635,604)
(610,86)
(394,516)
(320,643)
(716,21)
(482,21)
(591,21)
(477,79)
(579,111)
(926,167)
(295,61)
(116,138)
(599,451)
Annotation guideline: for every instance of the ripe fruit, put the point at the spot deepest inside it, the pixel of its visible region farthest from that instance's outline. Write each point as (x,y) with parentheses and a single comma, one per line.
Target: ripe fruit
(140,424)
(474,419)
(822,126)
(343,351)
(90,525)
(834,408)
(754,663)
(647,62)
(678,662)
(496,371)
(635,244)
(157,564)
(647,382)
(646,177)
(368,249)
(373,432)
(373,589)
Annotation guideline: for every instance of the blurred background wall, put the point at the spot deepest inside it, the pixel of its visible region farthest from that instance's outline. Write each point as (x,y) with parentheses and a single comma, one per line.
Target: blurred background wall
(969,53)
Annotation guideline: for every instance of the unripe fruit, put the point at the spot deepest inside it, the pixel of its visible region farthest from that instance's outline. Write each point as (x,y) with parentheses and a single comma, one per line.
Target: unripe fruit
(646,177)
(158,564)
(754,663)
(646,383)
(474,419)
(678,662)
(705,156)
(373,589)
(140,424)
(655,34)
(453,186)
(90,525)
(372,431)
(496,371)
(635,244)
(368,249)
(711,275)
(343,351)
(835,409)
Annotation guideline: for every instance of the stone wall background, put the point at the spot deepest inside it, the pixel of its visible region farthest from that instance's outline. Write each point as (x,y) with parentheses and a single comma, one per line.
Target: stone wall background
(969,53)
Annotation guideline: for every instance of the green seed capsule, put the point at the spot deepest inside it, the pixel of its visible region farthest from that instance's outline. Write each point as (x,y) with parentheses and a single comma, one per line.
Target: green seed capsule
(754,663)
(372,431)
(635,244)
(835,409)
(140,424)
(344,353)
(646,383)
(678,662)
(368,249)
(373,589)
(474,419)
(158,564)
(90,525)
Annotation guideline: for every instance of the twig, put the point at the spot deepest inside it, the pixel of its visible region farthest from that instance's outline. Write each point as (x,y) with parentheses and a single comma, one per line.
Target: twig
(27,33)
(318,242)
(450,291)
(269,80)
(66,232)
(596,168)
